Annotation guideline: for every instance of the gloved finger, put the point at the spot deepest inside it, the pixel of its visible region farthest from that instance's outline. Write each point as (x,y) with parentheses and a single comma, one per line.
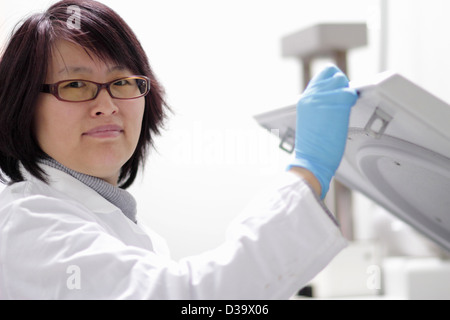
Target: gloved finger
(325,73)
(343,96)
(338,80)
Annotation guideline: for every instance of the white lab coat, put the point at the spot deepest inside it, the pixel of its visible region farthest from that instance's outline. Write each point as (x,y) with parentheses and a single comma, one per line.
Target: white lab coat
(65,241)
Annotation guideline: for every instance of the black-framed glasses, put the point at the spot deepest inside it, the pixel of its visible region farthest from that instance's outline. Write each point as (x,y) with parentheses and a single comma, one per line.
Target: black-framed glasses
(78,90)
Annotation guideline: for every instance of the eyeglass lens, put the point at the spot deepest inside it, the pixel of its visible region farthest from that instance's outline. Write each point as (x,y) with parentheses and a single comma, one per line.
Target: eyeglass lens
(79,90)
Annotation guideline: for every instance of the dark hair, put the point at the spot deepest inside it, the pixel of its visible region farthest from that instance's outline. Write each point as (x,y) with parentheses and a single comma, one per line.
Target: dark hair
(23,69)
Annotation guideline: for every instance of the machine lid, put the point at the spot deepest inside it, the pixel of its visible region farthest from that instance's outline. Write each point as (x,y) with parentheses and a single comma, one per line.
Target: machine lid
(397,153)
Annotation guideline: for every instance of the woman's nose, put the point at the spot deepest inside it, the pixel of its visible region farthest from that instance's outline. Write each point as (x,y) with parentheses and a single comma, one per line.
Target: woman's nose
(103,104)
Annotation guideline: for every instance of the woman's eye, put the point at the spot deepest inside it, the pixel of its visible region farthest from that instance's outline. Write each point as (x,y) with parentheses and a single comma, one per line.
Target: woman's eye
(121,83)
(75,84)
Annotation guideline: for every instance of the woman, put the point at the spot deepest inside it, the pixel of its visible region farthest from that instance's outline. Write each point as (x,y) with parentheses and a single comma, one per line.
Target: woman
(79,106)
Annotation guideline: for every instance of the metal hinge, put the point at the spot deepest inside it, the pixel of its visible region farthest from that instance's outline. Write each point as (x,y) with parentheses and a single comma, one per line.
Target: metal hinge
(377,123)
(288,141)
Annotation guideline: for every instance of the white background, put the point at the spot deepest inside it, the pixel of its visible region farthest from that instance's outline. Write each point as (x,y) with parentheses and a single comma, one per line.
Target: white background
(220,62)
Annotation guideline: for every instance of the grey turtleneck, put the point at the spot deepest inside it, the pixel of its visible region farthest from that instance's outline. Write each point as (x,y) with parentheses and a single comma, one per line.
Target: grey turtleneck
(118,197)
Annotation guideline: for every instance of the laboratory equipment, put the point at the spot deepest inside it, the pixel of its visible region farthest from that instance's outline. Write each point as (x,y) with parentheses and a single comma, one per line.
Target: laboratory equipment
(397,153)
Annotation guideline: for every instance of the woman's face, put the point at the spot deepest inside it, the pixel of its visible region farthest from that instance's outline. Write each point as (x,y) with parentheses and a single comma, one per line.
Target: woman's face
(73,133)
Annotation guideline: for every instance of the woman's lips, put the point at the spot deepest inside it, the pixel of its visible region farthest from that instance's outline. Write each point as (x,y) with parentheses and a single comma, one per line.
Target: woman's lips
(108,131)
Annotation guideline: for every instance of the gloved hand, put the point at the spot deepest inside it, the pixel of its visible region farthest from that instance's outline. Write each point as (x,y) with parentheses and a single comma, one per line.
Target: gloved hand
(323,113)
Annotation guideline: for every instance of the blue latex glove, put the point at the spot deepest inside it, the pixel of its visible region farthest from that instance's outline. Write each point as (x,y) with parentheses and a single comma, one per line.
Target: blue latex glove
(323,113)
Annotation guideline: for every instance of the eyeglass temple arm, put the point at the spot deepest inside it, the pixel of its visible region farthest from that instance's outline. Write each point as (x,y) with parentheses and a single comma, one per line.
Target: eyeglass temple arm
(46,88)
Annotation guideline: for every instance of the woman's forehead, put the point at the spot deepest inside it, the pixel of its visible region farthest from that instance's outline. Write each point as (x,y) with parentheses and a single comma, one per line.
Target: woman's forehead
(70,58)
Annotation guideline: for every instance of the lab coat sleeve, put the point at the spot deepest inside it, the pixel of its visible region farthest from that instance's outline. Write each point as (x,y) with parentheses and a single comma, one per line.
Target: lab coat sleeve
(272,250)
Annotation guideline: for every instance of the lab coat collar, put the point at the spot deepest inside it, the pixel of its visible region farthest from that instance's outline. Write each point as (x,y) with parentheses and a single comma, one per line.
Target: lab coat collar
(74,189)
